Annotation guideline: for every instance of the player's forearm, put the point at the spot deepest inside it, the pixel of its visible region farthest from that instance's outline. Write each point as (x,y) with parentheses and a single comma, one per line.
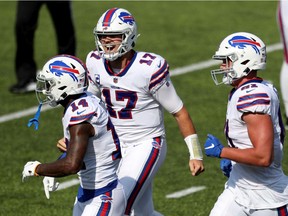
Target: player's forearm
(247,156)
(185,122)
(188,132)
(58,168)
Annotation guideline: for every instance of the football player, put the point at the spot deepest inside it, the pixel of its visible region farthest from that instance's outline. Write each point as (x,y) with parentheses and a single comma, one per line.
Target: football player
(282,18)
(93,148)
(254,130)
(136,86)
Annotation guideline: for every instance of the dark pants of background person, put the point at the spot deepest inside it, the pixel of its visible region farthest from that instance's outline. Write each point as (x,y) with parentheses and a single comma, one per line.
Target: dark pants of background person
(26,25)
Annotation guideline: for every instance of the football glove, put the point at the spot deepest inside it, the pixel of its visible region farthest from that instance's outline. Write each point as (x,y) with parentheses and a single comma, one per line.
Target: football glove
(29,169)
(50,185)
(226,166)
(213,146)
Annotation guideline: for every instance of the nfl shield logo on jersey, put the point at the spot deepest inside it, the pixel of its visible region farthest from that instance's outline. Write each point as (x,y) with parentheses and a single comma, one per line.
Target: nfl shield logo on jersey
(115,80)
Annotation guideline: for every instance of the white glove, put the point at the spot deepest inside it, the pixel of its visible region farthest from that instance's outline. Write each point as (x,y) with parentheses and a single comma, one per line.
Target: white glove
(49,185)
(29,169)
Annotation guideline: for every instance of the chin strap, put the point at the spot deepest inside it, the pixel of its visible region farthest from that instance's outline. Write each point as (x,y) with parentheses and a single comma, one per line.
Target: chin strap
(35,120)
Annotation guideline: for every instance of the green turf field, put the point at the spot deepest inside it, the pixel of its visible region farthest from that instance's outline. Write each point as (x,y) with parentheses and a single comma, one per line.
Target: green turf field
(184,33)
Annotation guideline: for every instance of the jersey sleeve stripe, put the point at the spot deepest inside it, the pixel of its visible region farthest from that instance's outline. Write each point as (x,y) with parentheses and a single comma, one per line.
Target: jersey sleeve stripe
(253,103)
(160,71)
(159,76)
(252,96)
(159,80)
(80,118)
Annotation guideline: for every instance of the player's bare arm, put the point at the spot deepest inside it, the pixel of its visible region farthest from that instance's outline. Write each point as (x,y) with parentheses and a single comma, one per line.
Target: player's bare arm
(188,131)
(72,163)
(261,136)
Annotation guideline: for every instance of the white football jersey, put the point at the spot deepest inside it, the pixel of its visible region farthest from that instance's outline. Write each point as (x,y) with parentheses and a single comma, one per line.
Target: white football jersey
(103,152)
(260,187)
(135,113)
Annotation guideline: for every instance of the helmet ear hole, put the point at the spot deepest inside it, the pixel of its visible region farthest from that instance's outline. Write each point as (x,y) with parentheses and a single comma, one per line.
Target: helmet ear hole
(64,95)
(247,70)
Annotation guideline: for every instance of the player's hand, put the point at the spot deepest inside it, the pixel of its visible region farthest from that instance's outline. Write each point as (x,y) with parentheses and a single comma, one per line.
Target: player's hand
(50,185)
(196,167)
(61,145)
(213,146)
(226,166)
(29,169)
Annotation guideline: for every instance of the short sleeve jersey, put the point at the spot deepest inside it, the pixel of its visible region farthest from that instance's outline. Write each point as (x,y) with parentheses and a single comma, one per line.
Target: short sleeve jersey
(101,158)
(135,113)
(260,186)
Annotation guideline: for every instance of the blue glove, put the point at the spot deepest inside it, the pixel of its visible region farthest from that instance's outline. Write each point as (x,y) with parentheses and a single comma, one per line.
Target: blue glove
(226,166)
(213,146)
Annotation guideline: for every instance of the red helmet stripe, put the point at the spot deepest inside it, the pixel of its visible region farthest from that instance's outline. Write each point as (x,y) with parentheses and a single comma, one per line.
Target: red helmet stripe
(65,69)
(247,41)
(108,17)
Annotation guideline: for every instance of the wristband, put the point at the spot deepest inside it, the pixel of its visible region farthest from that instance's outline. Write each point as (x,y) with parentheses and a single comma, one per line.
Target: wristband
(194,147)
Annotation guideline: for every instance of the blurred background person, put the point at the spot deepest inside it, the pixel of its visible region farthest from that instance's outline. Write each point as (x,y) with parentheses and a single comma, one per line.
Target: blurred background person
(25,26)
(282,18)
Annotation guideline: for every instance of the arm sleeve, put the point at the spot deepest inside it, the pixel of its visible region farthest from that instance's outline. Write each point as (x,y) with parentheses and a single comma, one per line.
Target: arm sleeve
(167,96)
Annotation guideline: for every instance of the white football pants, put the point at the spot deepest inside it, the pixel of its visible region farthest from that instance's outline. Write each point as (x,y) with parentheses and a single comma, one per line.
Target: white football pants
(113,206)
(138,166)
(226,206)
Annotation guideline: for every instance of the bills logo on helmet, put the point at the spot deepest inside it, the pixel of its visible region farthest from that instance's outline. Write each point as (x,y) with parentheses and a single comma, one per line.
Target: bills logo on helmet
(241,42)
(59,68)
(126,18)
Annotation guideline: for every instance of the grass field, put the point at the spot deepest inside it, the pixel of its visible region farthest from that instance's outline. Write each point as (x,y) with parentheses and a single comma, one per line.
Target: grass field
(184,33)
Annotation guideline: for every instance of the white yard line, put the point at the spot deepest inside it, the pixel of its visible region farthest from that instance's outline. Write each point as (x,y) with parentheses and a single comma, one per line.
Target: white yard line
(23,113)
(67,184)
(175,72)
(185,192)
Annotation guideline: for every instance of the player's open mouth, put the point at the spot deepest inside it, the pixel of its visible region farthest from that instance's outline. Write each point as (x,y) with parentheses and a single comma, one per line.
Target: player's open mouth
(110,47)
